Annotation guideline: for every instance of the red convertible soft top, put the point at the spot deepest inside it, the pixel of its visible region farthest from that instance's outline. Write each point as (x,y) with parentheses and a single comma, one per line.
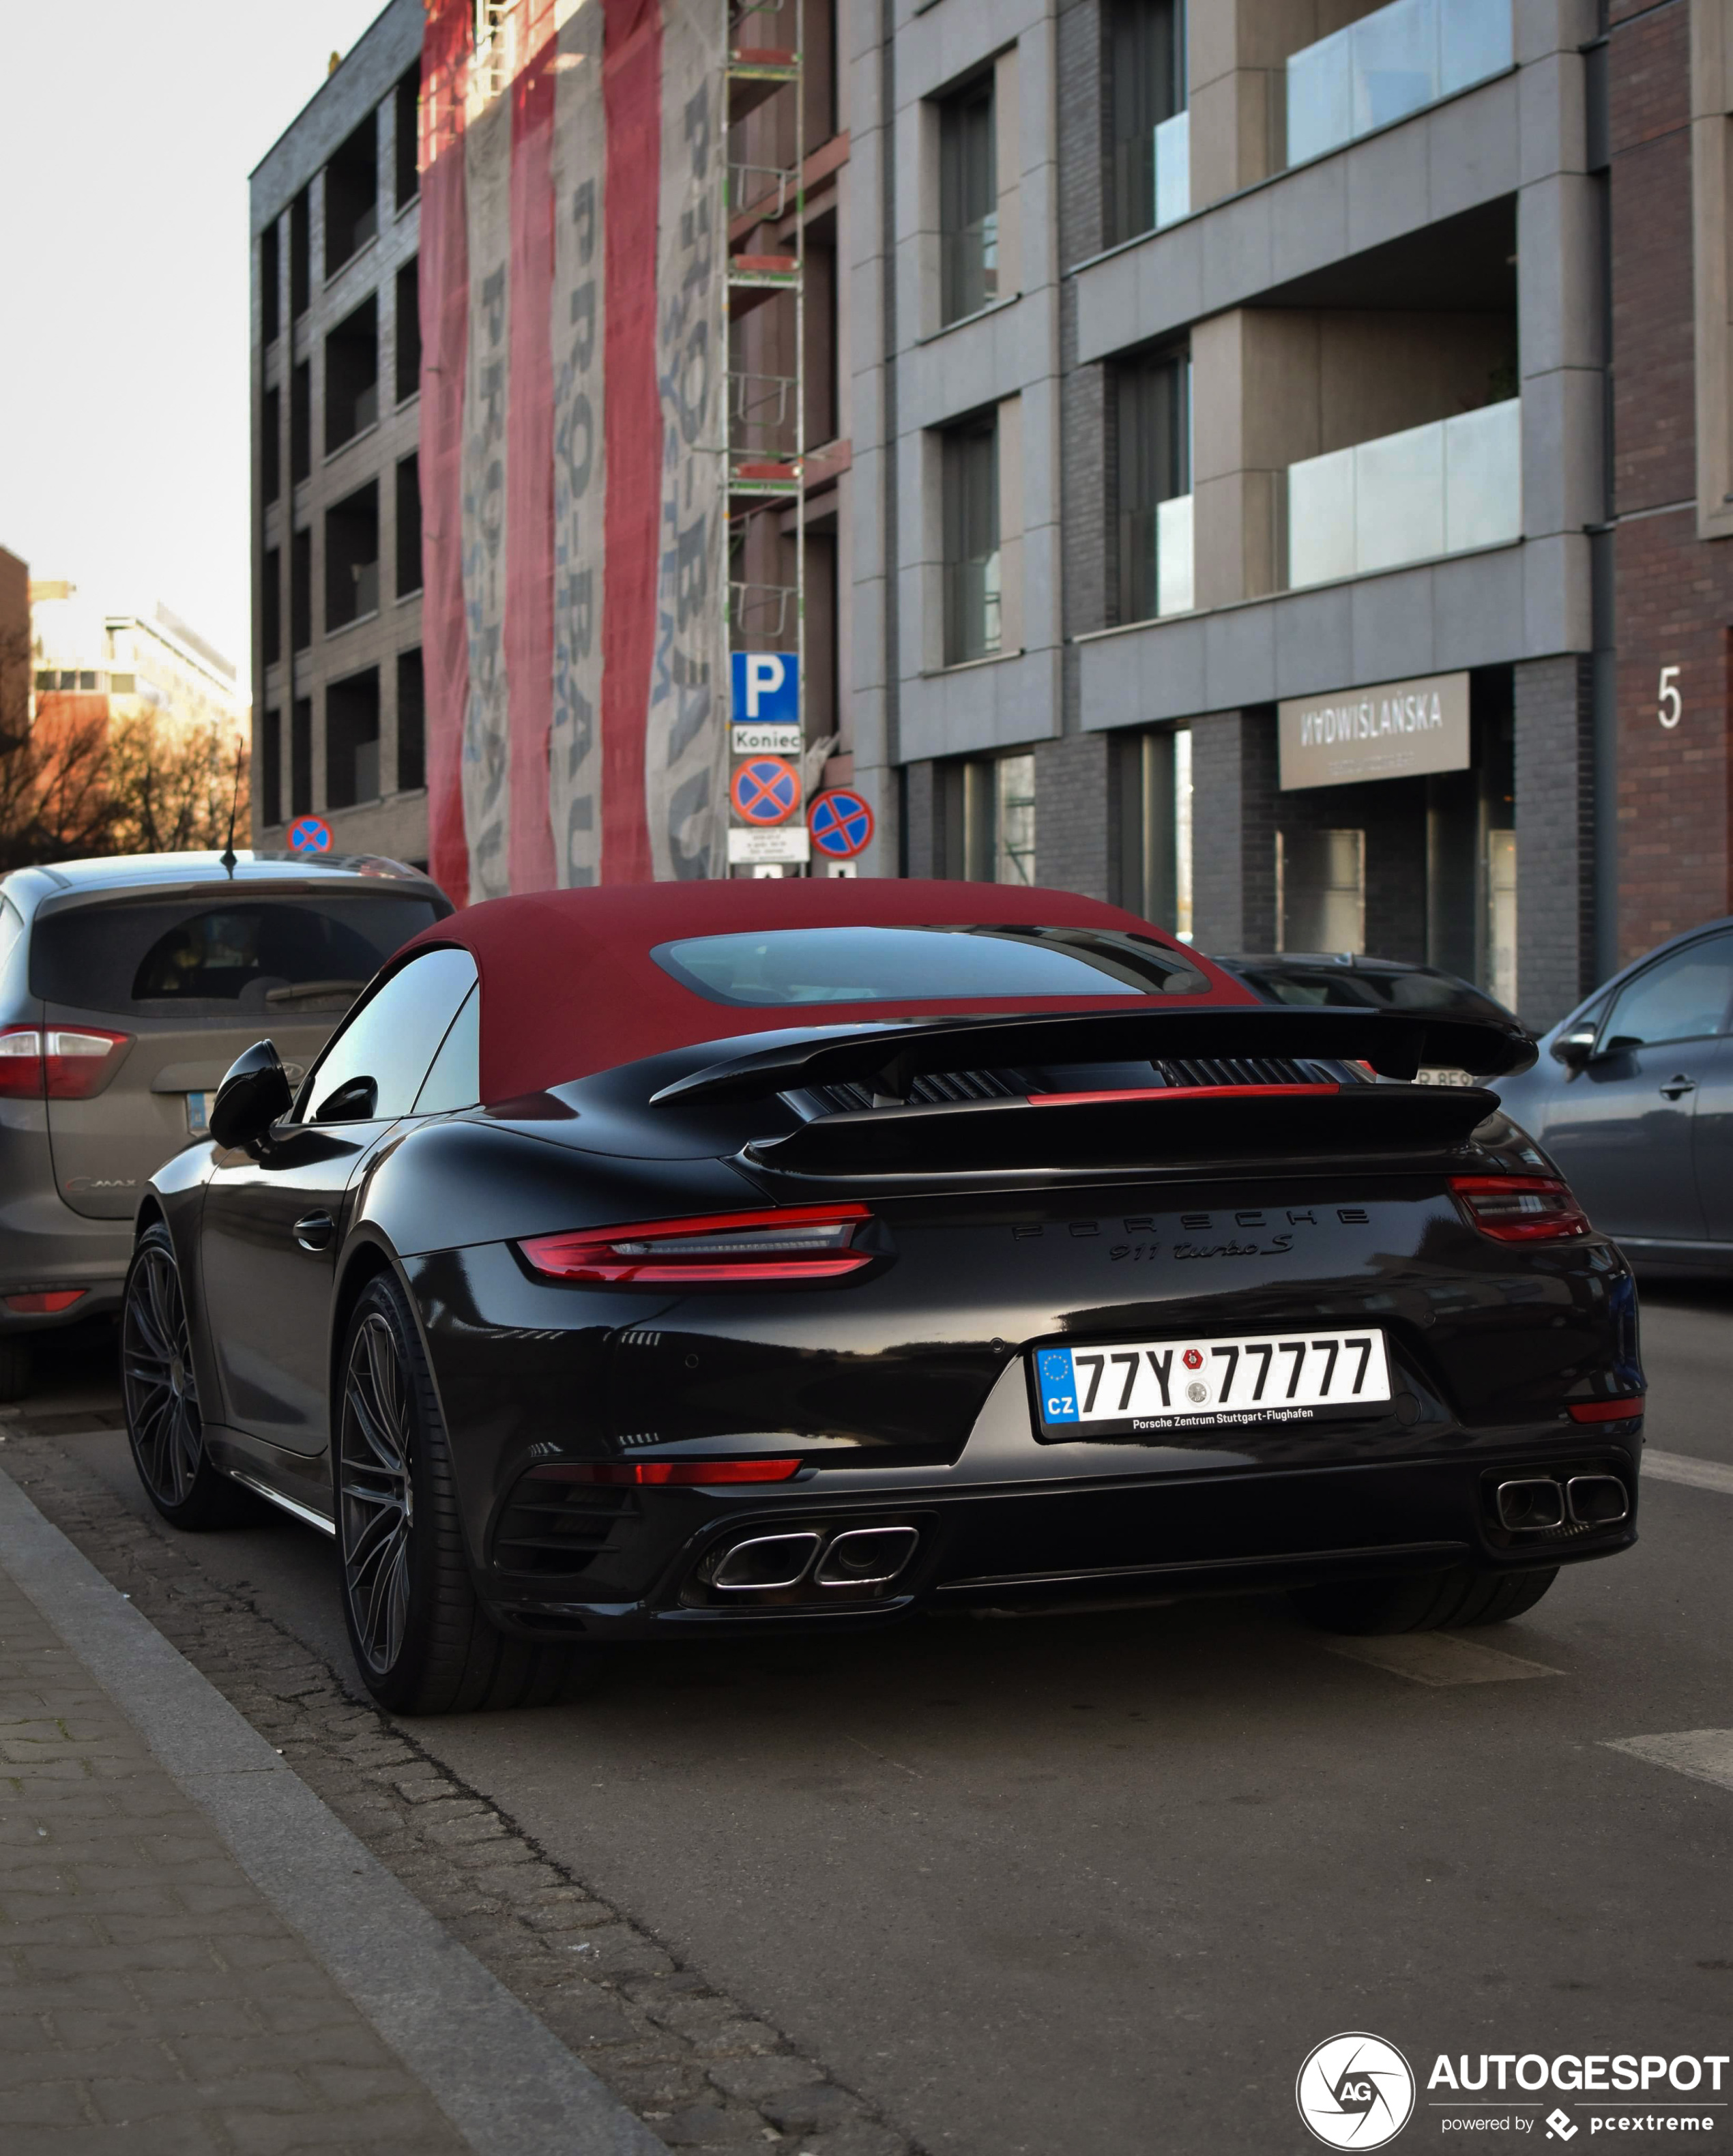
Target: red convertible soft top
(568,986)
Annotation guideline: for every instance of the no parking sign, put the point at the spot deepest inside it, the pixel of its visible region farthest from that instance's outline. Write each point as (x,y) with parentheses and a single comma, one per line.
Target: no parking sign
(841,822)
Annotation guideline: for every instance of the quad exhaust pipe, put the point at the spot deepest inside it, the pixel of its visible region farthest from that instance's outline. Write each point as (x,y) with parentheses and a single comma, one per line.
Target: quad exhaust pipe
(860,1557)
(1538,1501)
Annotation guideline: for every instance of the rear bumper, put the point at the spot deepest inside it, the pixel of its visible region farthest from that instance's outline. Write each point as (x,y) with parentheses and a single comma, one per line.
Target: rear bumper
(1148,1536)
(44,1245)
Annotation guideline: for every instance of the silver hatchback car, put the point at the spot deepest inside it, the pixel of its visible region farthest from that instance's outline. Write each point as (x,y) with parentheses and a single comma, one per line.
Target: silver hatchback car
(127,987)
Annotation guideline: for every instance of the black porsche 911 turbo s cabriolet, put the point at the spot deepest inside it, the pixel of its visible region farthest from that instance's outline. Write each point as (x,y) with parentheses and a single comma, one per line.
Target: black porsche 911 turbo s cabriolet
(662,1260)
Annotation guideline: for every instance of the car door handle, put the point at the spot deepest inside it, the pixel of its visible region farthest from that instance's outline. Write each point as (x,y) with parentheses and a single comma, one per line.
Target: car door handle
(313,1231)
(1678,1084)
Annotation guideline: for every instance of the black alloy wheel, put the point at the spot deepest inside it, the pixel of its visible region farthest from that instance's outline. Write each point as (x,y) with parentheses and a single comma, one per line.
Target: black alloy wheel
(422,1641)
(164,1424)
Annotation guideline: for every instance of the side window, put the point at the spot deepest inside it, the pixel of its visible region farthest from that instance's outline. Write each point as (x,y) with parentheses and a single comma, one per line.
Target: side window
(1683,999)
(376,1065)
(456,1079)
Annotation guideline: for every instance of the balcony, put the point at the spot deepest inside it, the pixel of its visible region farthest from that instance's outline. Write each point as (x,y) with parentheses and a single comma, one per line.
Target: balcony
(1388,65)
(1442,489)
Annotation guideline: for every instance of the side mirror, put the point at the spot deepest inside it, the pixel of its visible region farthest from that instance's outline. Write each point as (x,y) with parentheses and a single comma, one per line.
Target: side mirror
(252,1096)
(1574,1048)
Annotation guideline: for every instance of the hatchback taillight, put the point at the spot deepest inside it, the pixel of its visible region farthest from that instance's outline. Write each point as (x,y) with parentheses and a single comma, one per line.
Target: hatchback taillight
(62,1062)
(1521,1208)
(719,1250)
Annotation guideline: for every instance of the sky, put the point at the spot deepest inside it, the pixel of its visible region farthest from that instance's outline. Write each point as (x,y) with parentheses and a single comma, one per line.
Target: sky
(125,147)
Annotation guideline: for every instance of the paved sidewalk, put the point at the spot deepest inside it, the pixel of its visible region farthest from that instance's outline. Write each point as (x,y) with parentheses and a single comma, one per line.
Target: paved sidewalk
(150,1998)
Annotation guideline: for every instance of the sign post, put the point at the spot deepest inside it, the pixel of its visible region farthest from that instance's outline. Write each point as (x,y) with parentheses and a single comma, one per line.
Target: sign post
(764,791)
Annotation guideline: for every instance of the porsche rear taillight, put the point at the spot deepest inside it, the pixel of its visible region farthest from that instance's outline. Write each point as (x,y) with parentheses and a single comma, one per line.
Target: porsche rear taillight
(1521,1208)
(718,1250)
(60,1064)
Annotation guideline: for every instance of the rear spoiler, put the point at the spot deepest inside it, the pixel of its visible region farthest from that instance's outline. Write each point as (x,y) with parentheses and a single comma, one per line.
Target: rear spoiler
(889,1056)
(1231,1127)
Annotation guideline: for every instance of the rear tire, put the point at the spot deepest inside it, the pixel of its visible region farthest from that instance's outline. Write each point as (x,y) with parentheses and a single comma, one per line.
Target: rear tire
(1436,1602)
(18,1367)
(422,1641)
(164,1426)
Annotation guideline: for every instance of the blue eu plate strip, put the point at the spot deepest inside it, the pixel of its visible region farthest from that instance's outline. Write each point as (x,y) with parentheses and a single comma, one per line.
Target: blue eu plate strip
(1059,1384)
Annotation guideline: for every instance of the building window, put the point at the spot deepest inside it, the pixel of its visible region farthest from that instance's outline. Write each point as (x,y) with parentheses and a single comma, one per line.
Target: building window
(406,99)
(1147,179)
(408,366)
(987,804)
(300,423)
(1152,783)
(412,723)
(351,196)
(270,606)
(301,267)
(301,757)
(1321,891)
(270,444)
(270,279)
(301,592)
(973,621)
(351,558)
(270,769)
(351,740)
(1152,473)
(351,375)
(408,526)
(968,202)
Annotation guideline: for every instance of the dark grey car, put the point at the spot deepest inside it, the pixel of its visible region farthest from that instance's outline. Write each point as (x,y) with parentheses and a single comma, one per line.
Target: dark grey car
(127,987)
(1633,1096)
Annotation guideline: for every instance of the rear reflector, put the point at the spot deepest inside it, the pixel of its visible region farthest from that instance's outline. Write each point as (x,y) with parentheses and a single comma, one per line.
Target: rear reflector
(718,1250)
(650,1473)
(1521,1208)
(62,1064)
(1606,1410)
(44,1306)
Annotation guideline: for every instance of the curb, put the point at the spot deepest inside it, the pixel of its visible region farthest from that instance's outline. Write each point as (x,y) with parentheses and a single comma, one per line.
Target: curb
(499,2075)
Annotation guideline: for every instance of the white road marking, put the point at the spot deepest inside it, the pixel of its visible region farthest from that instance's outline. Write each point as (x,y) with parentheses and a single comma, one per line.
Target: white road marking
(1439,1658)
(1680,1467)
(1706,1755)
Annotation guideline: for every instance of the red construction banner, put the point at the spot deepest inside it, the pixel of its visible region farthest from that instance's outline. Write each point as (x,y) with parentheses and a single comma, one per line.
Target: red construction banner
(574,328)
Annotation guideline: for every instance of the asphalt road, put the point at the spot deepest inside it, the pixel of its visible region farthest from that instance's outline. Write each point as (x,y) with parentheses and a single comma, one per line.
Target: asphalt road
(1097,1884)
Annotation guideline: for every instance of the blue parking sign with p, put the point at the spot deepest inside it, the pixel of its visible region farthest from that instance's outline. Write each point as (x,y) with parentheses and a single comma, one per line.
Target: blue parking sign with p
(766,689)
(1059,1384)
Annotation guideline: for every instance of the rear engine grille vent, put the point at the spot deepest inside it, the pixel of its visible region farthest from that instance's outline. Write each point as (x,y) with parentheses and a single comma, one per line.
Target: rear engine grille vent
(945,1085)
(1234,1070)
(936,1087)
(560,1527)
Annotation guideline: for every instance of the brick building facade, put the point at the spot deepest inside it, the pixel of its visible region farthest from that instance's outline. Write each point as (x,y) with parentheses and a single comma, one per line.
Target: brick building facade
(1673,579)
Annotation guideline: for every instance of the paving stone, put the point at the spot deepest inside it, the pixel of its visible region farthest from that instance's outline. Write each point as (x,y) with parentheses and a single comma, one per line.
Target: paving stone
(639,2019)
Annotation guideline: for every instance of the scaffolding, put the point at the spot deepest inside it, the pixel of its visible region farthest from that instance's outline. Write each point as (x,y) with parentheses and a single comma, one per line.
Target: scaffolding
(765,405)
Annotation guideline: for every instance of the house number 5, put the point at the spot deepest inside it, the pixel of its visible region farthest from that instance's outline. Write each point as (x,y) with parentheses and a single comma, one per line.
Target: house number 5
(1672,707)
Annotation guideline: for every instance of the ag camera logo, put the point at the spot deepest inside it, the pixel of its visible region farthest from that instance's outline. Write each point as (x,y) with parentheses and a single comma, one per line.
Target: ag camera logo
(1354,2092)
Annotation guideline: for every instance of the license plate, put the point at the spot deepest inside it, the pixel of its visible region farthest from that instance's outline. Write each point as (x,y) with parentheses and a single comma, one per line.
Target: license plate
(1124,1388)
(197,1125)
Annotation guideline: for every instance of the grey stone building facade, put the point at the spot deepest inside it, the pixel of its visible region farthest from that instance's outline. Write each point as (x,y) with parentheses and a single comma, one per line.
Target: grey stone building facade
(336,540)
(1293,358)
(1191,373)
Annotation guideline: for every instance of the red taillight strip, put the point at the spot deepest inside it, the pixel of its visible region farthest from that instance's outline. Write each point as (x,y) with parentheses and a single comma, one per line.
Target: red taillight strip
(1178,1093)
(1555,1218)
(45,1303)
(1606,1410)
(616,1255)
(660,1474)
